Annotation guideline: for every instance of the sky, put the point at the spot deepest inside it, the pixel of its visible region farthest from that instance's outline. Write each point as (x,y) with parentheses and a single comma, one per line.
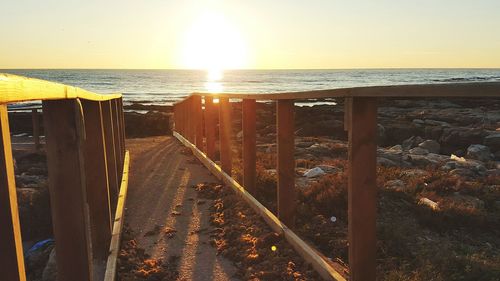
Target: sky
(255,34)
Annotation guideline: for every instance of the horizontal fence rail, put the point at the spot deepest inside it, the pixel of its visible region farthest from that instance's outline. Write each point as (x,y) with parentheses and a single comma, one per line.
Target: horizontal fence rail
(197,117)
(87,169)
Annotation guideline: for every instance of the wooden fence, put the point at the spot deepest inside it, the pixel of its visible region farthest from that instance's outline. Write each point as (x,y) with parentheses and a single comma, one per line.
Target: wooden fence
(195,121)
(88,174)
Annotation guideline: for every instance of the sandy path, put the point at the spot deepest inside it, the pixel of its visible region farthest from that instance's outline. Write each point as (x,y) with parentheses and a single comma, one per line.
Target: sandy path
(160,194)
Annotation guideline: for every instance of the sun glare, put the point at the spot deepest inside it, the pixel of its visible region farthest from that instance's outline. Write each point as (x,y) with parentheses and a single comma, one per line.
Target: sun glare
(213,44)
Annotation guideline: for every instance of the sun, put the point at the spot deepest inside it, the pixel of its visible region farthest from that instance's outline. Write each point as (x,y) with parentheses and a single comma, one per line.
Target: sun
(213,44)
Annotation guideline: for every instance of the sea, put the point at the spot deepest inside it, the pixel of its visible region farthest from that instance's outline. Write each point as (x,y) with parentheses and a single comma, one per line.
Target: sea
(164,87)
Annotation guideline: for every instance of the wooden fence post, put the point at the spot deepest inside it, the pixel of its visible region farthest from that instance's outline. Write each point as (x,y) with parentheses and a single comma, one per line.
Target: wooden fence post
(286,161)
(122,125)
(112,166)
(96,180)
(225,123)
(198,122)
(362,190)
(11,248)
(117,138)
(36,128)
(210,126)
(249,144)
(70,218)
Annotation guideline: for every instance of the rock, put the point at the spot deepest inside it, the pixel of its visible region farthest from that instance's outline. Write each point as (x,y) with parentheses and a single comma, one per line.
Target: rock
(396,185)
(418,122)
(418,151)
(314,172)
(429,203)
(456,138)
(319,149)
(477,167)
(430,159)
(329,169)
(50,270)
(411,142)
(436,123)
(396,148)
(391,154)
(493,141)
(386,162)
(430,145)
(479,152)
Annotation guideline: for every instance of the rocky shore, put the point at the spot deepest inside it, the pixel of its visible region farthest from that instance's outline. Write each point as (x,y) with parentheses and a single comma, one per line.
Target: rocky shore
(438,180)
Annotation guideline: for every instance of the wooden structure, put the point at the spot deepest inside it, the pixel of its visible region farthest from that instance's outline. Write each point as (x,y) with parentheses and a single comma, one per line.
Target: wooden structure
(360,122)
(88,173)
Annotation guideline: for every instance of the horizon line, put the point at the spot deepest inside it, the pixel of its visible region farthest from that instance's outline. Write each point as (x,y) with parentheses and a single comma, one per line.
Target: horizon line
(243,69)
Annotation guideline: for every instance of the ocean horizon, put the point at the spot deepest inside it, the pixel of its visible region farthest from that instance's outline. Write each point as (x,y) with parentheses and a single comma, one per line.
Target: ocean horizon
(166,86)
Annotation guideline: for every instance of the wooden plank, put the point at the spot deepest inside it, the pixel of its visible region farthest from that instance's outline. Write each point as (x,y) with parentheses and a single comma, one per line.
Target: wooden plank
(197,121)
(210,126)
(122,124)
(249,145)
(11,248)
(96,175)
(112,166)
(191,120)
(225,123)
(323,267)
(362,188)
(15,88)
(70,218)
(286,161)
(117,136)
(114,247)
(36,128)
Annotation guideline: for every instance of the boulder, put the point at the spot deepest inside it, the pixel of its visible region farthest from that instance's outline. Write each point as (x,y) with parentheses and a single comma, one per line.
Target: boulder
(411,142)
(418,151)
(386,162)
(479,152)
(314,172)
(50,270)
(430,145)
(493,141)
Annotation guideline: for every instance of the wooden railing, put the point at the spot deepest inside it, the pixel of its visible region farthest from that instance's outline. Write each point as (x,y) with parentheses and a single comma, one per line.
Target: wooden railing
(88,173)
(195,126)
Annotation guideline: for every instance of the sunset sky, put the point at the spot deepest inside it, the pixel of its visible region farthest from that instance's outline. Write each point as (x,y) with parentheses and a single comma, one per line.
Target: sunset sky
(249,34)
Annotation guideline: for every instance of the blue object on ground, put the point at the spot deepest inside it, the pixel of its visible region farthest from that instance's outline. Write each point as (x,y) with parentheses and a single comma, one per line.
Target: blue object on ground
(39,245)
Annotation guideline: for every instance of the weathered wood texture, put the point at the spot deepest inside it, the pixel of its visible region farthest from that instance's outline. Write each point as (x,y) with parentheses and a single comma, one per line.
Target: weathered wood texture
(286,161)
(15,88)
(11,249)
(249,145)
(68,198)
(196,114)
(114,248)
(122,126)
(117,136)
(210,126)
(112,165)
(362,188)
(225,123)
(96,175)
